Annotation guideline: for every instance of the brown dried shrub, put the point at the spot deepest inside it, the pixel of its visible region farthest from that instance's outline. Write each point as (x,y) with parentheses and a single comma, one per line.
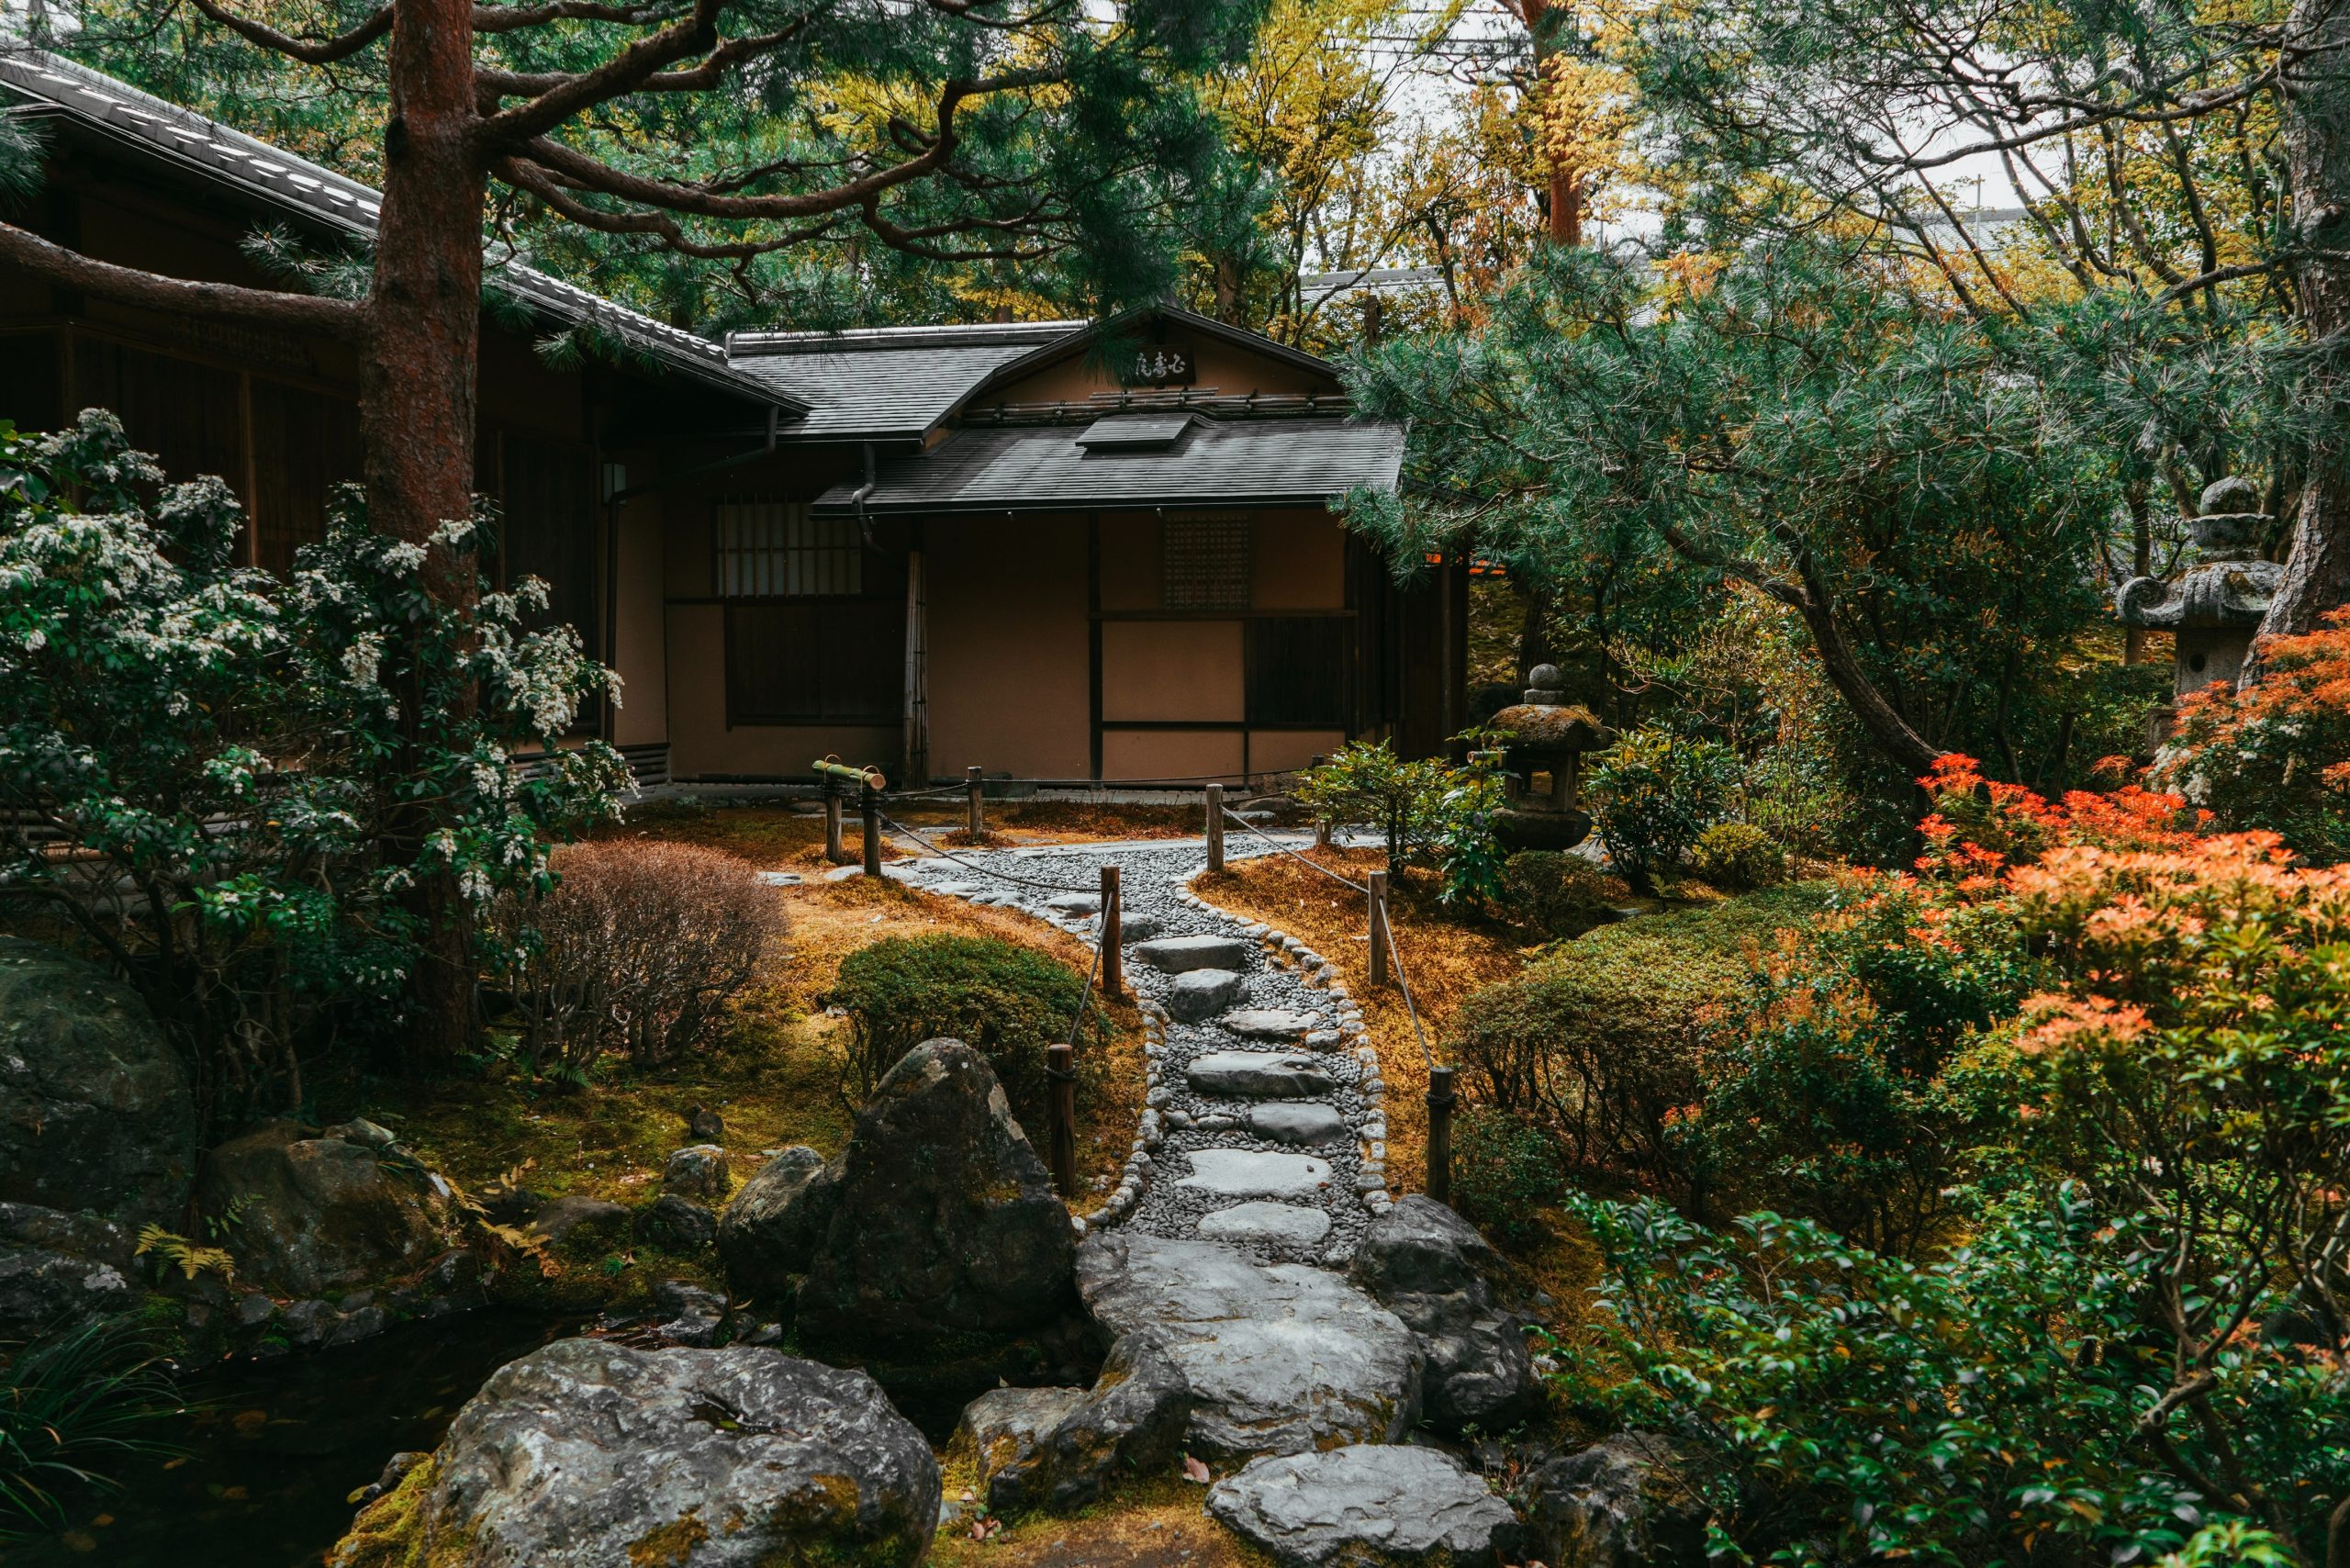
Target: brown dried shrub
(638,948)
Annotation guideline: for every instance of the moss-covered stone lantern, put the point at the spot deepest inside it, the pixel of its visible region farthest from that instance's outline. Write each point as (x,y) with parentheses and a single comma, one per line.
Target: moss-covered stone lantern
(2214,608)
(1547,737)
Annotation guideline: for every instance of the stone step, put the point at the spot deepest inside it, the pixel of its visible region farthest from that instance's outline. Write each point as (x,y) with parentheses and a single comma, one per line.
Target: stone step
(1255,1174)
(1290,1121)
(1176,955)
(1284,1225)
(1276,1023)
(1261,1075)
(1197,995)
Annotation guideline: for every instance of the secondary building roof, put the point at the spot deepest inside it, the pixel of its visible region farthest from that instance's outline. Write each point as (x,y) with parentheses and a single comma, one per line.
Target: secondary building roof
(884,384)
(1216,462)
(117,113)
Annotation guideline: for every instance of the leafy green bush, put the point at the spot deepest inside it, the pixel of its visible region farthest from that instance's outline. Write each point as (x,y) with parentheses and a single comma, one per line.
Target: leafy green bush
(1505,1172)
(279,797)
(1737,858)
(1652,794)
(1004,1000)
(1431,812)
(1560,895)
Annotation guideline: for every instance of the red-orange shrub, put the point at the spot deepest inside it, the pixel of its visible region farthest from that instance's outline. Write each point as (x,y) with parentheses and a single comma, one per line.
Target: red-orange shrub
(2276,755)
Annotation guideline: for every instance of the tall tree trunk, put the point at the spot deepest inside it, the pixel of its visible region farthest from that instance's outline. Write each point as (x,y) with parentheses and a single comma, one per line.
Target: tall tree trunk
(2317,150)
(417,410)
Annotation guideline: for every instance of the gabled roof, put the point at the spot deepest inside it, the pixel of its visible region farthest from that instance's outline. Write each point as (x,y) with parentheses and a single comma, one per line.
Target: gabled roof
(885,383)
(139,122)
(1191,320)
(1217,463)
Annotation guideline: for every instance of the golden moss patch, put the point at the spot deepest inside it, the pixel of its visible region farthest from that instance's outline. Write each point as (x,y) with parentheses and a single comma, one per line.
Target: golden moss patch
(672,1545)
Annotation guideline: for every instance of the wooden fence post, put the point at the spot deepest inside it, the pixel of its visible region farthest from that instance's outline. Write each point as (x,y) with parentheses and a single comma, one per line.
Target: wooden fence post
(975,816)
(1379,934)
(1441,1134)
(1215,827)
(833,851)
(1113,973)
(870,803)
(1321,823)
(1060,1071)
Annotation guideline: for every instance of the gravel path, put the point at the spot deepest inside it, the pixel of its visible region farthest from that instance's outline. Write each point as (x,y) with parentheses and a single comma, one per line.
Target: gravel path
(1264,1126)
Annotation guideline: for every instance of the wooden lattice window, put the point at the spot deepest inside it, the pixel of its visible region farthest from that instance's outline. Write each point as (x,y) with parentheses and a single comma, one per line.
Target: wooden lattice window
(776,550)
(1205,562)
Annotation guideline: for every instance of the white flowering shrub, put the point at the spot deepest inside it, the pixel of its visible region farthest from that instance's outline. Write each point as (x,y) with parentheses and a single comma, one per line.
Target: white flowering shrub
(233,784)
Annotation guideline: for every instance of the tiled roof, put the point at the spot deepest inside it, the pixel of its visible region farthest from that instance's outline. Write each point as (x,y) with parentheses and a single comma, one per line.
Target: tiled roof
(891,383)
(227,157)
(1220,463)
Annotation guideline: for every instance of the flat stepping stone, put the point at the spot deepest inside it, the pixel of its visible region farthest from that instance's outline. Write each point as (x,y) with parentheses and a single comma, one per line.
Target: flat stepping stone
(1197,995)
(1075,903)
(1255,1174)
(1282,1358)
(1267,1023)
(1294,1122)
(1136,926)
(1283,1224)
(1178,955)
(1366,1504)
(1261,1075)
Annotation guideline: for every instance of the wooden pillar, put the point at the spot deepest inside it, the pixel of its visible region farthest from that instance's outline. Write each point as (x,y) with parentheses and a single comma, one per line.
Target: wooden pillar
(1113,974)
(1378,929)
(974,815)
(1441,1134)
(1060,1132)
(1215,827)
(833,850)
(870,804)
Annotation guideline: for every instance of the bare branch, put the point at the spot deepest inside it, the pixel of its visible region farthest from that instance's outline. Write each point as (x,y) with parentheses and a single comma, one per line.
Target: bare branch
(221,301)
(310,51)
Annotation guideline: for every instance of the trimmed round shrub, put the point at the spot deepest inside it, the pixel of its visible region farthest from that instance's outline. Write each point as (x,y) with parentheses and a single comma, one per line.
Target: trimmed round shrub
(1738,857)
(1004,1000)
(1560,895)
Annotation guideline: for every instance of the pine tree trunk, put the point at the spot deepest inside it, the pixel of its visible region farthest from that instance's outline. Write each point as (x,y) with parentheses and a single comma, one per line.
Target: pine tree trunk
(417,411)
(2317,148)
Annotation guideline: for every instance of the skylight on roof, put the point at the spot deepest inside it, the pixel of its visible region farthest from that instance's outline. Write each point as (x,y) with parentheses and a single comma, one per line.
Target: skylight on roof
(1135,432)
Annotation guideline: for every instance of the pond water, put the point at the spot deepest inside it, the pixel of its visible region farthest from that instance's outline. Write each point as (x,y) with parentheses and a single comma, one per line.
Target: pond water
(270,1451)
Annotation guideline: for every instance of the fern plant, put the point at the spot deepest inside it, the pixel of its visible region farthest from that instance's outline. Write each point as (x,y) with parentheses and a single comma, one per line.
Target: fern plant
(170,1249)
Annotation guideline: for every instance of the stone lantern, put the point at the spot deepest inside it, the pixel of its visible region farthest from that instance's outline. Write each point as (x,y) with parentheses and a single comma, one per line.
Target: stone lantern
(2215,606)
(1547,739)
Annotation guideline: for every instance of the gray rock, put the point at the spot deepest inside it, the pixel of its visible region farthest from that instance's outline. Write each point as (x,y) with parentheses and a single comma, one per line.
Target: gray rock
(1252,1173)
(1054,1448)
(769,1234)
(587,1453)
(944,1222)
(1296,1122)
(1138,925)
(1624,1503)
(1075,903)
(705,1125)
(562,1216)
(314,1215)
(677,1225)
(1197,995)
(59,1269)
(1259,1075)
(1363,1506)
(1281,1224)
(1429,1267)
(699,1171)
(1179,955)
(1281,1358)
(1004,1428)
(360,1130)
(1273,1024)
(95,1111)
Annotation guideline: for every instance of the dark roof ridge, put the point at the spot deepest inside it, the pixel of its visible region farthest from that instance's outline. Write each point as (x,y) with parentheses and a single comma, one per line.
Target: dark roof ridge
(853,339)
(195,142)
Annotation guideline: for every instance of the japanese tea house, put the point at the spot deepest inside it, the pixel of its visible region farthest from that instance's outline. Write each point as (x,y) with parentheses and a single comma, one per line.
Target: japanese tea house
(1053,550)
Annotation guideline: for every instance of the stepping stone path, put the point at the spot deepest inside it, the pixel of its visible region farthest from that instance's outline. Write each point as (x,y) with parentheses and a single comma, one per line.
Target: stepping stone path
(1253,1051)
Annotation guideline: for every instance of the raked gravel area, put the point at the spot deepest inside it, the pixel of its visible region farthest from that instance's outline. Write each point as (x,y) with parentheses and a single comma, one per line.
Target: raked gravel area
(1264,1127)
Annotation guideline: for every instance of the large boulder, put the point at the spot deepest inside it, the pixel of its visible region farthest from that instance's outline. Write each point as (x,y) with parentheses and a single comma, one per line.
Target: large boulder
(769,1234)
(58,1270)
(1429,1267)
(1281,1358)
(1366,1506)
(312,1216)
(1629,1502)
(95,1111)
(1054,1448)
(589,1454)
(944,1222)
